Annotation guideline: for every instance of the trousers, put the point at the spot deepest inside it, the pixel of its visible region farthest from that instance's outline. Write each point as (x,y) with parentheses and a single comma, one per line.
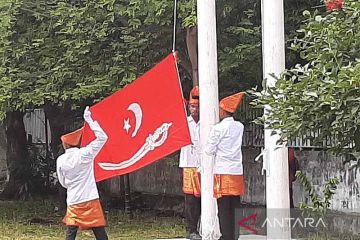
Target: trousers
(226,213)
(192,212)
(99,232)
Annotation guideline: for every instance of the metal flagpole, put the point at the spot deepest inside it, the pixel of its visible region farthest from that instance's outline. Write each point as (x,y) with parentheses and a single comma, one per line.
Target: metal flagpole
(209,112)
(275,156)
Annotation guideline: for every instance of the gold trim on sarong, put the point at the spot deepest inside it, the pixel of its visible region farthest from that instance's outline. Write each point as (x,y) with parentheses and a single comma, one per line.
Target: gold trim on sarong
(228,185)
(85,215)
(224,185)
(191,181)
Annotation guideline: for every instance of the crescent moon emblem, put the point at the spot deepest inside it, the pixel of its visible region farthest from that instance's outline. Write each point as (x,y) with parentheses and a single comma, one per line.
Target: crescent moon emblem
(136,109)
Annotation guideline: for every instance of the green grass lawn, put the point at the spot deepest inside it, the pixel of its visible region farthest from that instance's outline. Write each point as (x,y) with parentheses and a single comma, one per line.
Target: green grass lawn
(20,220)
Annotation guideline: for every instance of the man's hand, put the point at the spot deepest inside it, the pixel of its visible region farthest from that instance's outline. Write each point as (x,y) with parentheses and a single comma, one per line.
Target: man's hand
(87,114)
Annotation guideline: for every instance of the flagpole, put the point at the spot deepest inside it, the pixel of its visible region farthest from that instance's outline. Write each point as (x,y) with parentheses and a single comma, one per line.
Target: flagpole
(209,111)
(275,157)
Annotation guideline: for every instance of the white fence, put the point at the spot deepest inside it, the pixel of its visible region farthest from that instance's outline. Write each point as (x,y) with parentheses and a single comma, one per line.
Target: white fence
(35,126)
(253,136)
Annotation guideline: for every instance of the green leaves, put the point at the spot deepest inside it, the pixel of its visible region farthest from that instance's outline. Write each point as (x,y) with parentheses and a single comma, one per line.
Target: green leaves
(239,44)
(323,94)
(67,52)
(318,204)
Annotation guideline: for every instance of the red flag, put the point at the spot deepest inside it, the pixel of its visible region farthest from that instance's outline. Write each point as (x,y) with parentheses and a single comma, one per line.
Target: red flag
(144,121)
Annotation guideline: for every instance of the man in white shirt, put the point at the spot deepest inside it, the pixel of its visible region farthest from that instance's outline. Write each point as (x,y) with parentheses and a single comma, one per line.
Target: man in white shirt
(75,170)
(224,142)
(189,162)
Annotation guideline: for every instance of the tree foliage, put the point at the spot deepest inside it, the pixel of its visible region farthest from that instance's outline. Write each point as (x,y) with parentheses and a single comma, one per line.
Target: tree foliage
(63,54)
(73,51)
(239,46)
(320,98)
(76,52)
(318,204)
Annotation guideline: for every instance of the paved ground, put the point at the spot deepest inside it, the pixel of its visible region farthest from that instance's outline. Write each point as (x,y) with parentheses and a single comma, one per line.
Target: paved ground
(243,237)
(252,237)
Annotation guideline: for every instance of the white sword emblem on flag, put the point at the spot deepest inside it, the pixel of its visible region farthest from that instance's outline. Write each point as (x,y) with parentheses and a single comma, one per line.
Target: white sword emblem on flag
(151,142)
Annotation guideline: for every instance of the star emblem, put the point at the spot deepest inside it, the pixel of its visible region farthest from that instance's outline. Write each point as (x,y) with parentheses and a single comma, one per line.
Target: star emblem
(127,125)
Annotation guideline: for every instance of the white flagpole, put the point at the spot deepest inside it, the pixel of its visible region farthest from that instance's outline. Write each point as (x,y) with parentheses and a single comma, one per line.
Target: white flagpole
(275,157)
(209,111)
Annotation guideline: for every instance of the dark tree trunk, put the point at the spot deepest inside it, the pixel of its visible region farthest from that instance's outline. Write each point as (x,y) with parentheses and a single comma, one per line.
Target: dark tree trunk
(16,157)
(191,43)
(57,121)
(357,140)
(60,119)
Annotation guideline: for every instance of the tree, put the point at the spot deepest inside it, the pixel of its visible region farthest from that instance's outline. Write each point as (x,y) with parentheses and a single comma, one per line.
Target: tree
(320,98)
(63,55)
(16,152)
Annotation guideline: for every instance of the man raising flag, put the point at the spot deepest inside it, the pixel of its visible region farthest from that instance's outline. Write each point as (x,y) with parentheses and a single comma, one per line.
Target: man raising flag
(75,171)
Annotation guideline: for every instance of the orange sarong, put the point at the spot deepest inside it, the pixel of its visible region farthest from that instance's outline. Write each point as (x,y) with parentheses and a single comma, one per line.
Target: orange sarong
(191,181)
(85,215)
(228,185)
(224,185)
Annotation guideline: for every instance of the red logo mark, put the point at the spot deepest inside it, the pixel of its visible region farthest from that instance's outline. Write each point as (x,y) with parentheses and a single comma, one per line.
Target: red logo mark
(251,217)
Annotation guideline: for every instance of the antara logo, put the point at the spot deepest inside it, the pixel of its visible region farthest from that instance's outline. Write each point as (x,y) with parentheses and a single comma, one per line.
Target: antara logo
(295,222)
(282,222)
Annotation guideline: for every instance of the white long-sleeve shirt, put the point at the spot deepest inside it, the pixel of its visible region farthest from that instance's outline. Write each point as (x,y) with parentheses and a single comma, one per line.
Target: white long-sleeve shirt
(75,168)
(224,142)
(190,154)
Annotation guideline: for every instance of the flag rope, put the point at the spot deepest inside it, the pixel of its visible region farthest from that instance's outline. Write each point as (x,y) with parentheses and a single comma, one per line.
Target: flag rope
(174,31)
